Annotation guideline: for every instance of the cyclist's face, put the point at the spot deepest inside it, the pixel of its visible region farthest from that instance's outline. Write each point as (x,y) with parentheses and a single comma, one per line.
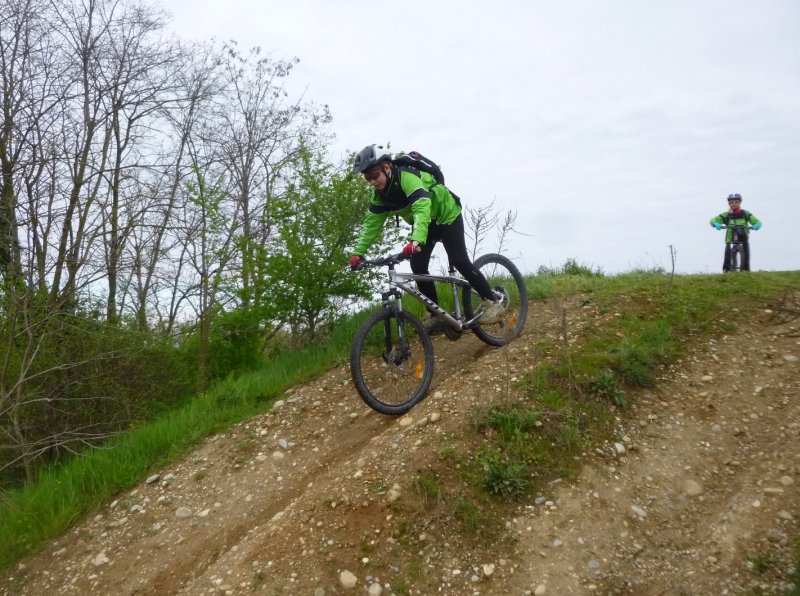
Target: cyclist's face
(734,204)
(377,177)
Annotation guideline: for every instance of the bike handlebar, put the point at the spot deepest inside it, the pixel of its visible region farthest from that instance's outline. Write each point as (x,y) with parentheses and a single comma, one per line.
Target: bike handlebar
(382,262)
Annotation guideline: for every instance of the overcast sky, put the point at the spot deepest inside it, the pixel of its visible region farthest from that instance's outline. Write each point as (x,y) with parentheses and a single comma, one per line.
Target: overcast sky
(614,128)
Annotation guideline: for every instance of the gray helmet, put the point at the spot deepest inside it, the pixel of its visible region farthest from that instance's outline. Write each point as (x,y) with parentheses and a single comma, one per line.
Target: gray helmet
(735,197)
(370,156)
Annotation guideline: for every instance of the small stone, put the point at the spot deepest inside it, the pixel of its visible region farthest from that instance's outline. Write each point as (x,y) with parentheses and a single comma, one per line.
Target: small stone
(638,511)
(692,488)
(787,480)
(183,512)
(406,421)
(790,358)
(278,404)
(540,590)
(278,455)
(348,580)
(153,479)
(488,569)
(435,416)
(100,559)
(375,590)
(394,493)
(619,448)
(775,536)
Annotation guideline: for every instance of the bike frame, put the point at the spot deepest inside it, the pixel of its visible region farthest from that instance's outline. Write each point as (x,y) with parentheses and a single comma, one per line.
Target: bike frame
(393,298)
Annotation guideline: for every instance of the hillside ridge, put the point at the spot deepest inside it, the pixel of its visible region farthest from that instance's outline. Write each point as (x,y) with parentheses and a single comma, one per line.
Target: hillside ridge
(696,493)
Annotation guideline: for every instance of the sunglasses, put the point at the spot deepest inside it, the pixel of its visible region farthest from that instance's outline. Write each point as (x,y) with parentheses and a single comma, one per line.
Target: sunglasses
(373,175)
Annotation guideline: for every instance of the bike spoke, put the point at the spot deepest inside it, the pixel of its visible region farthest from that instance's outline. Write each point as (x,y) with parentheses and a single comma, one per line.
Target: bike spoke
(392,363)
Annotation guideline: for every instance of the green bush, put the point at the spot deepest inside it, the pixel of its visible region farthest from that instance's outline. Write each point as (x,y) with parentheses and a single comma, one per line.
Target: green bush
(505,477)
(604,386)
(571,267)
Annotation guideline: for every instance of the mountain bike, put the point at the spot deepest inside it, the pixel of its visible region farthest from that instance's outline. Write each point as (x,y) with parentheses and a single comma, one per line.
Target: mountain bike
(738,238)
(391,360)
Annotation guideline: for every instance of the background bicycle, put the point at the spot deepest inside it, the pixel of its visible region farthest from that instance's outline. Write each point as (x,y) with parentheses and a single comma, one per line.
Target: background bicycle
(392,360)
(737,246)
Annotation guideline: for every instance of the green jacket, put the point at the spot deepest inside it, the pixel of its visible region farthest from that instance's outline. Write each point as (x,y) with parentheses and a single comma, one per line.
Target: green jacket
(416,197)
(727,219)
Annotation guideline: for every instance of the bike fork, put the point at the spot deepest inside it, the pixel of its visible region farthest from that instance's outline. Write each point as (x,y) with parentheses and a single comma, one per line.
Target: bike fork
(396,306)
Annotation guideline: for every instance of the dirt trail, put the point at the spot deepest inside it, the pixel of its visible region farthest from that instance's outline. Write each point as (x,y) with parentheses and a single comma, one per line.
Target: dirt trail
(698,493)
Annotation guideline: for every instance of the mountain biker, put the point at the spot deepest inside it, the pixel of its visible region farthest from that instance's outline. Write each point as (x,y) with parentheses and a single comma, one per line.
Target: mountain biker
(435,216)
(736,217)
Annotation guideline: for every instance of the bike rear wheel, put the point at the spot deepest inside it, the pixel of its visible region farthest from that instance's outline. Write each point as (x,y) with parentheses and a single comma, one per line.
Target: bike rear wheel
(505,279)
(391,362)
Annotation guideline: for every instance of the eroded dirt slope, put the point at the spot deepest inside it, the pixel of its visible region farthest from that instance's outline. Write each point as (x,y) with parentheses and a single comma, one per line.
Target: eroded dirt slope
(697,493)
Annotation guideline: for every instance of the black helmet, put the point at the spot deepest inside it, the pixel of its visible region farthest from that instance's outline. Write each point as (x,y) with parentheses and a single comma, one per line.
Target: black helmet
(370,156)
(735,197)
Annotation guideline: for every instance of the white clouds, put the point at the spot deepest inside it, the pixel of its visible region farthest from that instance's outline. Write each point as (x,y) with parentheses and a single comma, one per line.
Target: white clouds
(621,120)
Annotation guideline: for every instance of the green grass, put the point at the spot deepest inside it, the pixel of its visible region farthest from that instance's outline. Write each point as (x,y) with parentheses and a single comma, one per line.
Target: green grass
(794,575)
(761,563)
(427,485)
(645,320)
(62,494)
(569,399)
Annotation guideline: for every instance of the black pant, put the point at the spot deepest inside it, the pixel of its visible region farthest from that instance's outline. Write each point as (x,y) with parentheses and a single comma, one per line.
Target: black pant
(745,262)
(452,238)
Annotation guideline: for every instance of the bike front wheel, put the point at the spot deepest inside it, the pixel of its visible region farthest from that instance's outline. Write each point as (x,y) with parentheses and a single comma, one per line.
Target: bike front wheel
(505,280)
(391,362)
(736,257)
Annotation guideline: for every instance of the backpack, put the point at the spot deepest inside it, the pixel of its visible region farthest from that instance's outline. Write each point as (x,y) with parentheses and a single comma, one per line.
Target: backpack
(415,159)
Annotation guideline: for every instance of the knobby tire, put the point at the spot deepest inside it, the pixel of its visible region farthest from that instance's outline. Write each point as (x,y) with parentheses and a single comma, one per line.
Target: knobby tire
(502,275)
(392,373)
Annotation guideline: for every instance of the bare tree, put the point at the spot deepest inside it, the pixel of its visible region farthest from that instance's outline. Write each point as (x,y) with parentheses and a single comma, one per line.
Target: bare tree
(84,30)
(158,244)
(258,137)
(29,96)
(484,220)
(138,75)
